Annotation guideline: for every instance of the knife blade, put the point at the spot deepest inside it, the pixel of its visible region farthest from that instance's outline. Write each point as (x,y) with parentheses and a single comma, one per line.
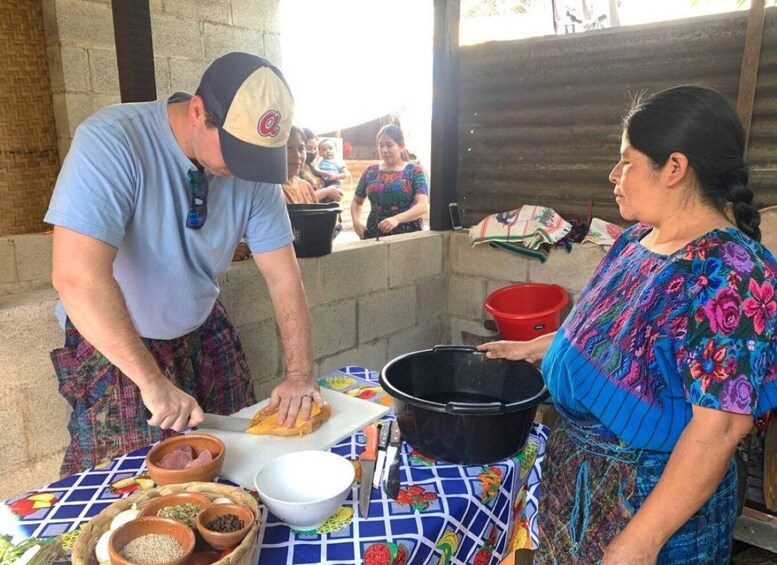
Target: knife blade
(225,423)
(367,459)
(383,441)
(393,457)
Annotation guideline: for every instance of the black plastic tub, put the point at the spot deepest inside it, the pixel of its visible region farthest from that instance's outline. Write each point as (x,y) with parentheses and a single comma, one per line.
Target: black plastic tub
(455,404)
(314,227)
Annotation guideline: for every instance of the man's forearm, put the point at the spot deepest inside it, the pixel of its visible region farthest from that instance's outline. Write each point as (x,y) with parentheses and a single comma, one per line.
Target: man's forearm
(291,314)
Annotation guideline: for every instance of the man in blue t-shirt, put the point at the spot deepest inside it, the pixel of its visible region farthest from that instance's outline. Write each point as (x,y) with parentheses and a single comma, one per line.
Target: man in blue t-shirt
(150,203)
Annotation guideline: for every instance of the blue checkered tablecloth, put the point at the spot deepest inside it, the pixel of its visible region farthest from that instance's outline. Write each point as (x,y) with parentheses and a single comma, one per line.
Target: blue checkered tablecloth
(448,513)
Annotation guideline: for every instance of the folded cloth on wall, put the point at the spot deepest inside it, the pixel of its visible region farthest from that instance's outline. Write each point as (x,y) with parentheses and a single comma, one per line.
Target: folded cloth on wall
(540,253)
(529,226)
(602,233)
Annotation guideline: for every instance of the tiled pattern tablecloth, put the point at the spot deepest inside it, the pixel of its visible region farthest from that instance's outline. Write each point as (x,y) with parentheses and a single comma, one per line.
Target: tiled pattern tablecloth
(447,513)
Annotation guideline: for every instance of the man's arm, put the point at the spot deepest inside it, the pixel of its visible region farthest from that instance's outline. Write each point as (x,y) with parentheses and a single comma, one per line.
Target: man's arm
(82,273)
(281,272)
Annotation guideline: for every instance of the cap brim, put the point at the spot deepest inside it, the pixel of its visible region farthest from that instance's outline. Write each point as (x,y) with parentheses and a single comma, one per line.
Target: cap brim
(253,163)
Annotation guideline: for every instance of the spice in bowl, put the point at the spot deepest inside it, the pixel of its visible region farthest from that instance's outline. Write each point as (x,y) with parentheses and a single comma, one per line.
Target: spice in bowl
(185,513)
(225,523)
(149,549)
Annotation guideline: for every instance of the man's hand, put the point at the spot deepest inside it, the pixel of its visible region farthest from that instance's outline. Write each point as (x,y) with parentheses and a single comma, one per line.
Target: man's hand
(170,407)
(293,396)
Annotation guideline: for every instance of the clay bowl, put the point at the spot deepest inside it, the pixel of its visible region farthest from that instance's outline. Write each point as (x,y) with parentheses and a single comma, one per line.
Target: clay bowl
(223,540)
(198,443)
(153,506)
(142,526)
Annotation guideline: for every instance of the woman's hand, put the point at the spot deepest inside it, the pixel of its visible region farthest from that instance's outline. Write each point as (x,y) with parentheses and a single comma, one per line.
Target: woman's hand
(332,192)
(532,351)
(242,252)
(388,225)
(623,551)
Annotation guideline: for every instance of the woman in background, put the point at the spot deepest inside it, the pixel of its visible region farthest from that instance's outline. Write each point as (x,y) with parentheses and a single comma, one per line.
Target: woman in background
(396,188)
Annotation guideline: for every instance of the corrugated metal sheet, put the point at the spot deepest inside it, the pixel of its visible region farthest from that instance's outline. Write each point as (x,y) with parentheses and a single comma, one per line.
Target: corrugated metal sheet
(539,119)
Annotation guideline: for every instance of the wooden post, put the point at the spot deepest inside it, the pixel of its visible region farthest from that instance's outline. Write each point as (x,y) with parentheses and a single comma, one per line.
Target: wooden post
(134,50)
(445,112)
(749,73)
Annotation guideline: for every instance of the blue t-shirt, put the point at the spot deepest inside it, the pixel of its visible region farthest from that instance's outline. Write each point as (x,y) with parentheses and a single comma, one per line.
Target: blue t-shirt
(124,182)
(331,166)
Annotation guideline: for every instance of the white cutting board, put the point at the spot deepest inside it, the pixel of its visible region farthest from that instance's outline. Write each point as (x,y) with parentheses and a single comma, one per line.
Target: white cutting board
(246,453)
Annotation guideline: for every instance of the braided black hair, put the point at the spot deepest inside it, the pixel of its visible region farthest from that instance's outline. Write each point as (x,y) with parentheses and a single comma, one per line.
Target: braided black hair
(701,124)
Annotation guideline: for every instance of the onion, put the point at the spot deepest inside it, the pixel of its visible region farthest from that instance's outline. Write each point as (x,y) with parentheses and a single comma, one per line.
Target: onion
(123,517)
(101,549)
(222,500)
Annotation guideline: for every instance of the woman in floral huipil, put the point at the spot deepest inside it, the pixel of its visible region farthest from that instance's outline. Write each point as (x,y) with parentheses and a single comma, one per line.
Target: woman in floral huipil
(397,189)
(667,356)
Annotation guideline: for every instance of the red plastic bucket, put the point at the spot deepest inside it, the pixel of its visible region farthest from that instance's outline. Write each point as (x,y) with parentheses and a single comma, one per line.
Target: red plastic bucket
(525,311)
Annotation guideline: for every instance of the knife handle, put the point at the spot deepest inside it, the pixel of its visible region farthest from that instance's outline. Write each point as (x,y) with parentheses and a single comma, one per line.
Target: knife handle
(383,437)
(371,449)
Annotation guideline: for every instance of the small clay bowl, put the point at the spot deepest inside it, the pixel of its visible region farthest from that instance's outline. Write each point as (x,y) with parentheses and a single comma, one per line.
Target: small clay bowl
(153,506)
(143,526)
(223,540)
(198,443)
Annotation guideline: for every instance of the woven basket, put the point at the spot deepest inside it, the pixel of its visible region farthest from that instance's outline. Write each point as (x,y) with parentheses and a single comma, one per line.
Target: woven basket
(244,554)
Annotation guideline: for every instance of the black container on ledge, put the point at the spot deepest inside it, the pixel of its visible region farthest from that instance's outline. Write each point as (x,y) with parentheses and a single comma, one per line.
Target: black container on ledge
(455,404)
(314,227)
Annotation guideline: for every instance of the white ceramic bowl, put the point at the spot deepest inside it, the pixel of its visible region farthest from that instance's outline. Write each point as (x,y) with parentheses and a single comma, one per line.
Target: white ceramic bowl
(304,488)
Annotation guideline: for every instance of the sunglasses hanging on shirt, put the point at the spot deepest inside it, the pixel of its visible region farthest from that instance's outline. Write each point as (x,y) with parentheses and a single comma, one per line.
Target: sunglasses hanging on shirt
(198,199)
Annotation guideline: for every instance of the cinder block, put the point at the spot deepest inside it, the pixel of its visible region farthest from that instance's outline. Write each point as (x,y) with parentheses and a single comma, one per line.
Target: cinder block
(244,294)
(12,440)
(68,68)
(221,39)
(185,74)
(46,414)
(88,24)
(311,278)
(79,106)
(415,339)
(465,296)
(458,325)
(262,15)
(262,349)
(354,270)
(61,118)
(486,261)
(63,145)
(104,71)
(7,260)
(414,257)
(492,285)
(217,11)
(33,257)
(333,328)
(30,333)
(30,475)
(431,300)
(272,48)
(263,385)
(162,76)
(49,8)
(372,356)
(176,37)
(571,270)
(155,6)
(384,313)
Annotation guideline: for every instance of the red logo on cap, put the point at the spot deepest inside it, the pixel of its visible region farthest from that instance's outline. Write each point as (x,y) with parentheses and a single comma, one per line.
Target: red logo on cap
(269,124)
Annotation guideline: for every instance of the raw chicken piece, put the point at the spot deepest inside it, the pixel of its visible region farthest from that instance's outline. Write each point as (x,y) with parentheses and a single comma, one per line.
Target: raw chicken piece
(177,459)
(203,458)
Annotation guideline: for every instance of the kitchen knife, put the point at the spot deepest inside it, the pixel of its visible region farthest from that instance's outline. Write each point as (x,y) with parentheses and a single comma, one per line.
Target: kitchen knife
(393,456)
(383,441)
(367,459)
(225,423)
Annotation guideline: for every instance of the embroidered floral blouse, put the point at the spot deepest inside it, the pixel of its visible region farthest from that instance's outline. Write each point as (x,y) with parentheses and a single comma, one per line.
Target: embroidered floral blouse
(653,334)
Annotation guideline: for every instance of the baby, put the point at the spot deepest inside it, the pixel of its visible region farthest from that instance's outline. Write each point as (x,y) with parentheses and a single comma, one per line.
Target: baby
(329,168)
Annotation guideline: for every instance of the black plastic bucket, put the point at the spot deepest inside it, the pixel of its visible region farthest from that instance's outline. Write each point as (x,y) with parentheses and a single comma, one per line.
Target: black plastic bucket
(454,403)
(314,227)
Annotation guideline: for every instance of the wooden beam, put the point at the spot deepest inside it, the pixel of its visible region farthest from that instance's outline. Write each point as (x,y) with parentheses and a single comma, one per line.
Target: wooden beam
(134,50)
(445,112)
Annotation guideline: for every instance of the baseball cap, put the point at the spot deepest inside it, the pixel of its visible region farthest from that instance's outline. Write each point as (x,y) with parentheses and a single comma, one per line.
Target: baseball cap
(253,107)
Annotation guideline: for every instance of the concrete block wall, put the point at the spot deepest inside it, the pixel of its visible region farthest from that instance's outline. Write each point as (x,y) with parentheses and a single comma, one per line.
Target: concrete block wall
(475,272)
(187,35)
